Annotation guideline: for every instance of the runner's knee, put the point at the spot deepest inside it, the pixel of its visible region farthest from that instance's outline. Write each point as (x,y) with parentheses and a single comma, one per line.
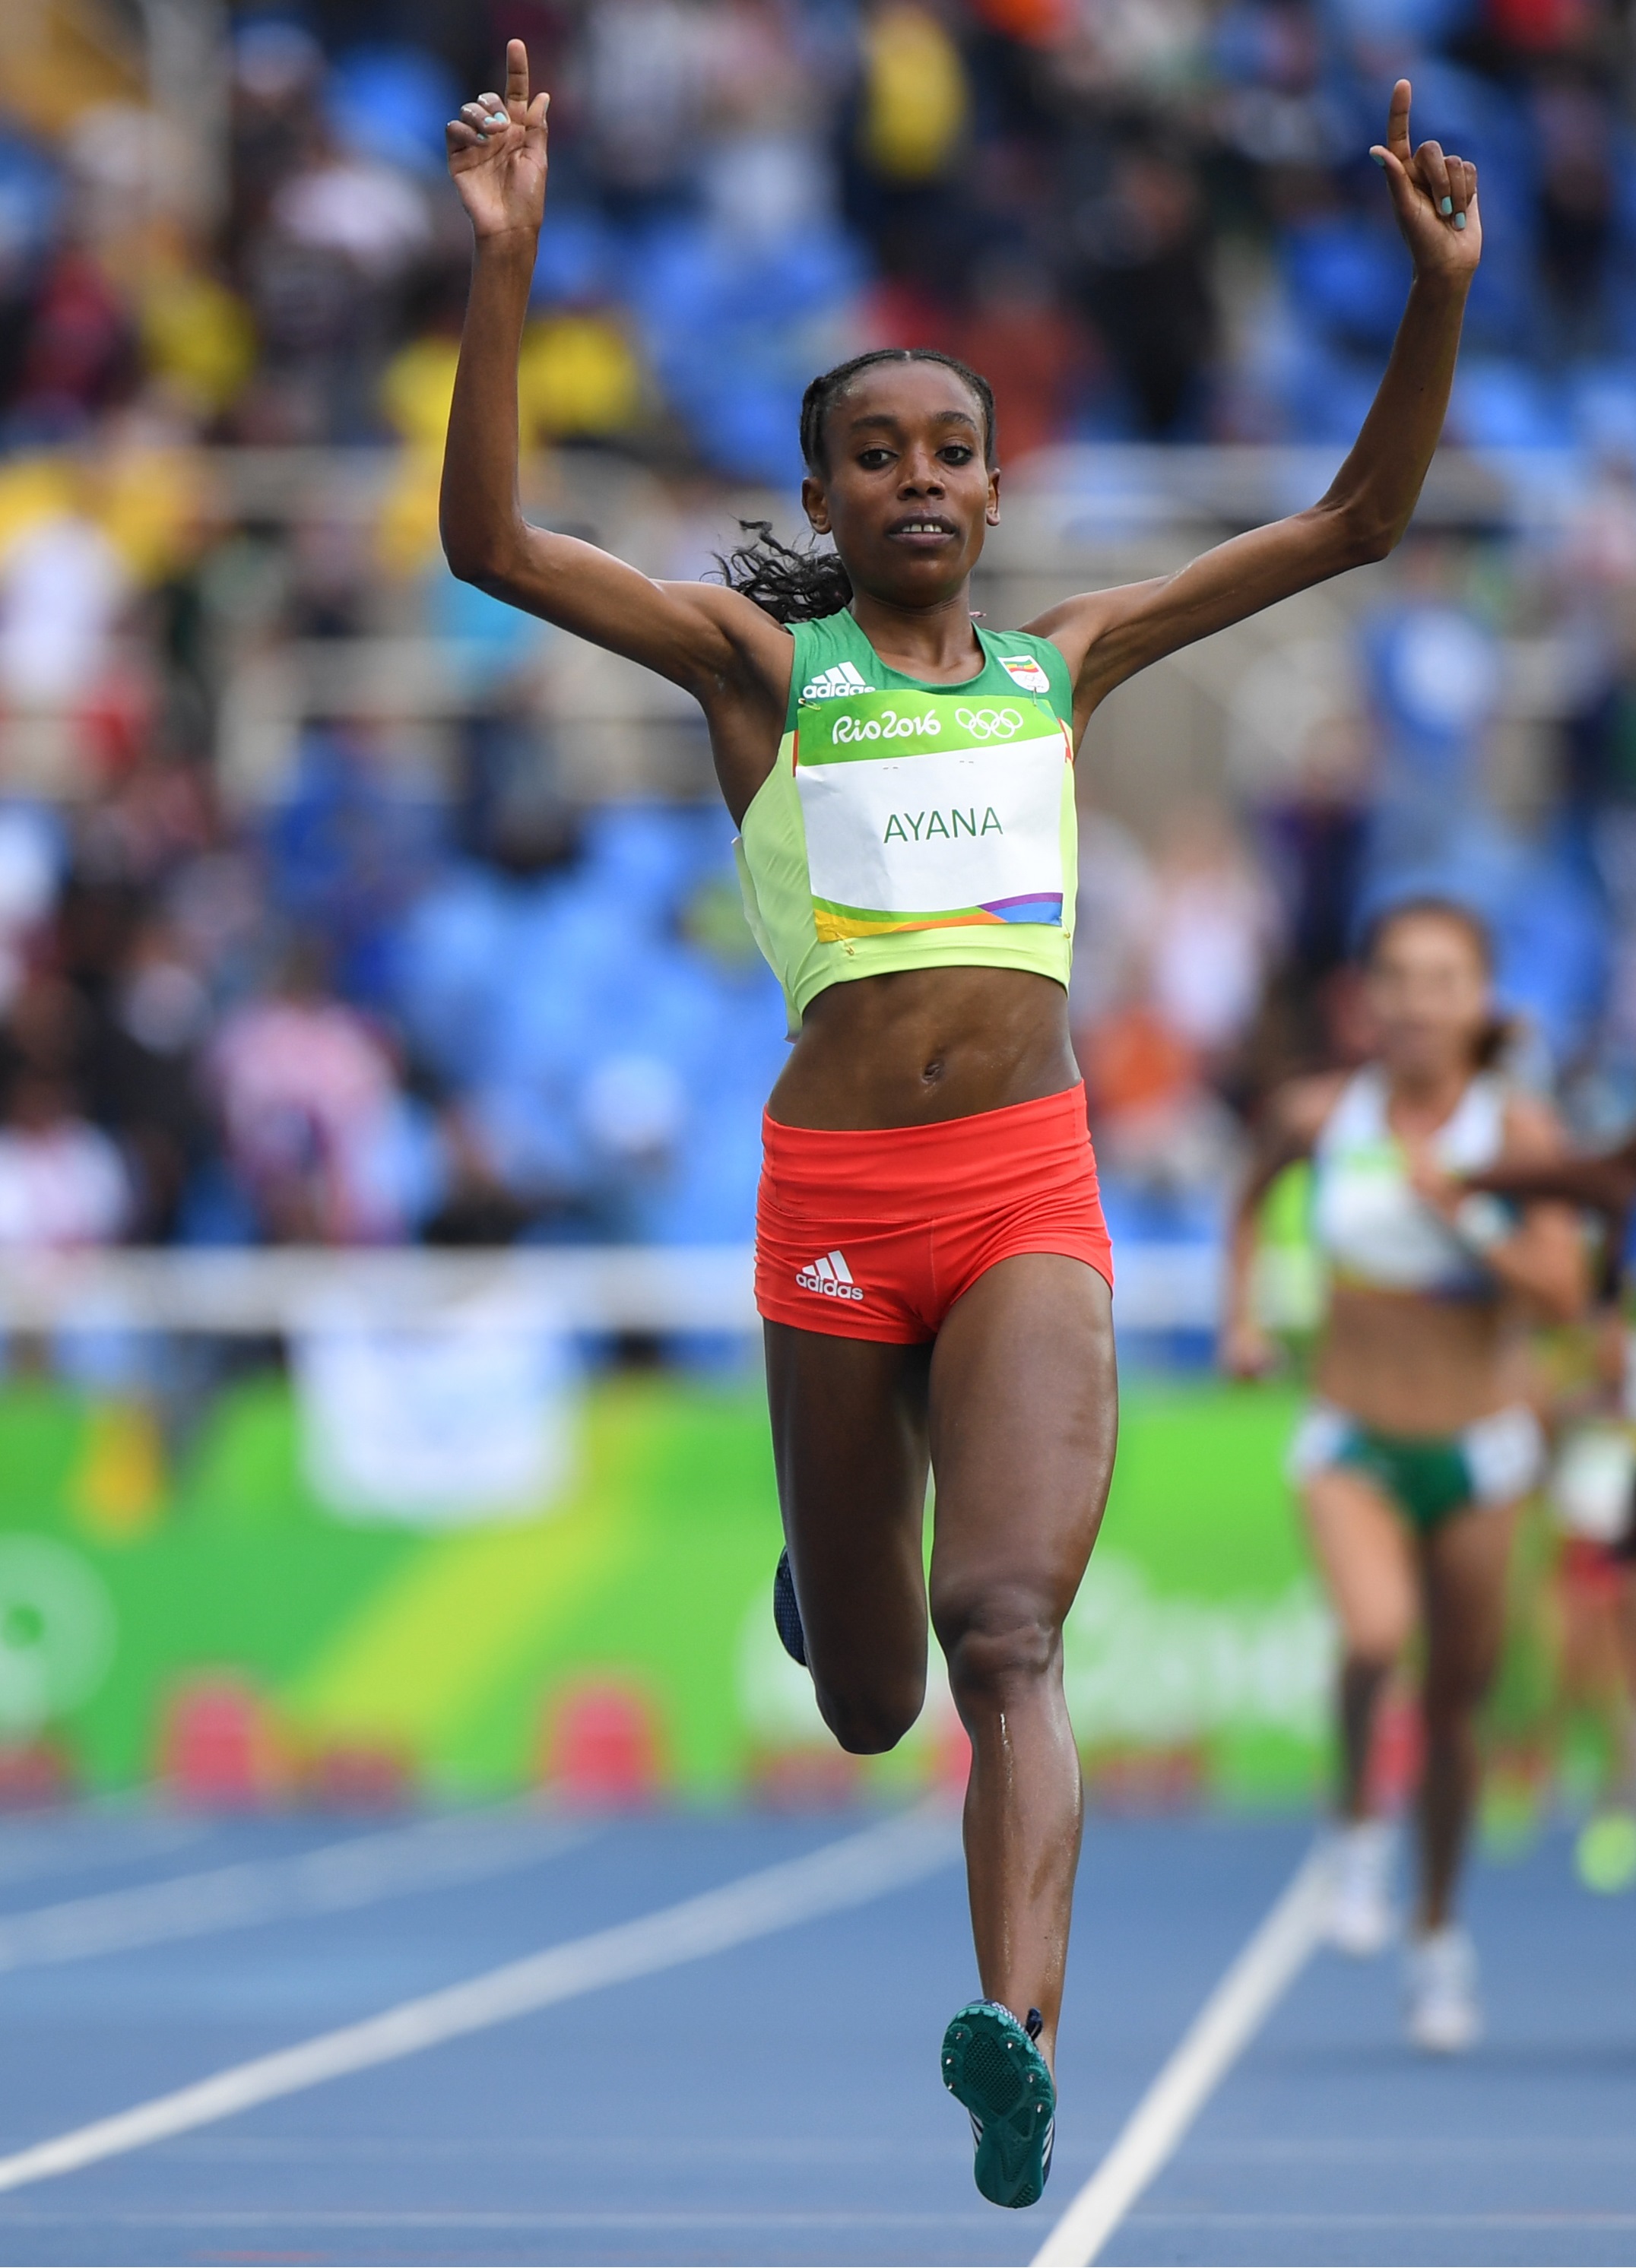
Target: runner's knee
(1455,1689)
(868,1719)
(997,1647)
(1370,1655)
(1377,1621)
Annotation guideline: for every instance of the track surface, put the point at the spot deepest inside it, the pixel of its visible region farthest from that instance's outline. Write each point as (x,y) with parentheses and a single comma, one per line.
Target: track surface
(779,2101)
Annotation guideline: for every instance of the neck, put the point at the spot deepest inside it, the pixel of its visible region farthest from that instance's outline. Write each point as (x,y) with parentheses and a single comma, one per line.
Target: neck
(930,641)
(1430,1090)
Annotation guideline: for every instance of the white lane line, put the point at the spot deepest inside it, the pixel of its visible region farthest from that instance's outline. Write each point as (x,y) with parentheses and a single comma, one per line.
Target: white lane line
(846,1874)
(625,2151)
(1420,2150)
(457,1847)
(1223,2028)
(483,2217)
(91,1843)
(1563,2217)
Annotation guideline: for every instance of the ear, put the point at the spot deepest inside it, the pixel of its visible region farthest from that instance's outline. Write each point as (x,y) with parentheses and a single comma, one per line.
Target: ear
(992,513)
(815,504)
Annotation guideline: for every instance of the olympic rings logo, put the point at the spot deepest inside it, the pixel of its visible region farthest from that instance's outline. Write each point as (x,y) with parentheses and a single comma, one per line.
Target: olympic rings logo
(990,724)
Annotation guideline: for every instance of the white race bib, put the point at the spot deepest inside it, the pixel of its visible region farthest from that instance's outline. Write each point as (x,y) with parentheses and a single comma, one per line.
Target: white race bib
(971,832)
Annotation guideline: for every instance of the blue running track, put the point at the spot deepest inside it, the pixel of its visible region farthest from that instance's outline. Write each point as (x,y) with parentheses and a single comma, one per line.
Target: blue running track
(779,2102)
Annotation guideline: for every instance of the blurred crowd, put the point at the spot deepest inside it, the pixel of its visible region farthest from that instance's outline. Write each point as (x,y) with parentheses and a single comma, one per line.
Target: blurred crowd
(360,1007)
(1144,218)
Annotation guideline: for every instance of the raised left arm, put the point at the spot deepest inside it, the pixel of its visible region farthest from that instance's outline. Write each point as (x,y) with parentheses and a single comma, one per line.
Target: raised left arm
(1107,636)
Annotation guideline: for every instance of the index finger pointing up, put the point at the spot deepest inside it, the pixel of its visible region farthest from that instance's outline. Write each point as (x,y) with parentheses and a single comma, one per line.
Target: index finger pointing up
(517,78)
(1397,120)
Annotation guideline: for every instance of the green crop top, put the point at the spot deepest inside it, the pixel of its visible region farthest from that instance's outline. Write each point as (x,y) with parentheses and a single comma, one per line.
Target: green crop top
(914,826)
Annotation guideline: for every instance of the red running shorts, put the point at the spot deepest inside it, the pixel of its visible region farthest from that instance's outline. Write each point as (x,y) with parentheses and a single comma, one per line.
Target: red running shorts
(875,1235)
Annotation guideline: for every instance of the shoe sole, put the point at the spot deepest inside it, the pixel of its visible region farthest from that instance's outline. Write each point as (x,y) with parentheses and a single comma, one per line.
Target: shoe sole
(1361,1943)
(991,2066)
(1435,2039)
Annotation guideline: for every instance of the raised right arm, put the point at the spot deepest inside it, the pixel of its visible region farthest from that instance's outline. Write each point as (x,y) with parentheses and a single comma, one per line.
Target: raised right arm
(717,644)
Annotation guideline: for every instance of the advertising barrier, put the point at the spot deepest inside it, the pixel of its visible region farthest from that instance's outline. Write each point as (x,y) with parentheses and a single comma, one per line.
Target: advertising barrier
(253,1616)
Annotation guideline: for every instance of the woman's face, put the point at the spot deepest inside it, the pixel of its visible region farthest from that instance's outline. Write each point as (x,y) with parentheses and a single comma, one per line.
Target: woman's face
(1429,995)
(905,492)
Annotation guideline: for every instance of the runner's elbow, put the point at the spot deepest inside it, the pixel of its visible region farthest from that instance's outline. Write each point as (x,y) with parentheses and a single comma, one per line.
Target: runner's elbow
(1368,536)
(474,562)
(478,551)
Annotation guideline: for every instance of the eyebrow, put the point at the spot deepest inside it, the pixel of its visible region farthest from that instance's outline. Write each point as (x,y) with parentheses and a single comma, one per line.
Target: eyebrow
(886,422)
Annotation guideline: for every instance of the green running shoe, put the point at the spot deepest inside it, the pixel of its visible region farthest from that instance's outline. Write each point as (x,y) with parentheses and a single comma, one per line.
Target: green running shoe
(786,1613)
(992,2064)
(1605,1854)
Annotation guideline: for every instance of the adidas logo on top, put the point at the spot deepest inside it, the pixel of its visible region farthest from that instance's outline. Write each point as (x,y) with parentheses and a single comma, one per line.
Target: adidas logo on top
(830,683)
(830,1278)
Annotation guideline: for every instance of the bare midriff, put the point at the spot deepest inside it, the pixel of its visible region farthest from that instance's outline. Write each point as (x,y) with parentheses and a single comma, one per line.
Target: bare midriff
(925,1044)
(1404,1364)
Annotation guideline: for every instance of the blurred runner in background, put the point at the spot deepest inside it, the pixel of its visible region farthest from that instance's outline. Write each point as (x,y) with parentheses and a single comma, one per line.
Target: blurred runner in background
(1421,1441)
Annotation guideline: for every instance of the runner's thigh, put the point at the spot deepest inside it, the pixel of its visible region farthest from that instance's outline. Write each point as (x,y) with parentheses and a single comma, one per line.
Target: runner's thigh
(1024,1419)
(1366,1554)
(848,1430)
(1466,1563)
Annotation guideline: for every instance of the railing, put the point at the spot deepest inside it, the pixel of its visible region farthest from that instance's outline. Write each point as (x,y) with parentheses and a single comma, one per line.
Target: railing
(617,1288)
(1074,517)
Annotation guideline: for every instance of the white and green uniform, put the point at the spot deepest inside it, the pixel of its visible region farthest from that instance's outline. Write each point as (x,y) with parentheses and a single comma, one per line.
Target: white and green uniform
(1367,1220)
(1377,1233)
(914,826)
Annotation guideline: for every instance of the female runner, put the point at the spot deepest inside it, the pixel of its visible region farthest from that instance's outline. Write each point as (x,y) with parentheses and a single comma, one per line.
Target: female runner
(1421,1443)
(933,1265)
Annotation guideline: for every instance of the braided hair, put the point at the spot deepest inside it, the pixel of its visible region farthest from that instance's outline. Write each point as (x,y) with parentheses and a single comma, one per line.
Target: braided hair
(796,583)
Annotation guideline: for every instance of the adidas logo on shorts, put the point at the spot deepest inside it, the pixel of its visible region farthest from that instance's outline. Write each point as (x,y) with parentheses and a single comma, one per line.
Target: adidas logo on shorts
(830,1278)
(830,683)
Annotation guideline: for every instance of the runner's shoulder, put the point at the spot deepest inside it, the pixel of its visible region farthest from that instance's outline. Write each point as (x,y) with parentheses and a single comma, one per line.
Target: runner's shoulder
(1296,1113)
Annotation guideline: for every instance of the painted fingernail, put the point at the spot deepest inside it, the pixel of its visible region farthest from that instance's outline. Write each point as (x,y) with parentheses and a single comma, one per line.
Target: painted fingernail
(1379,159)
(498,119)
(1459,220)
(1448,205)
